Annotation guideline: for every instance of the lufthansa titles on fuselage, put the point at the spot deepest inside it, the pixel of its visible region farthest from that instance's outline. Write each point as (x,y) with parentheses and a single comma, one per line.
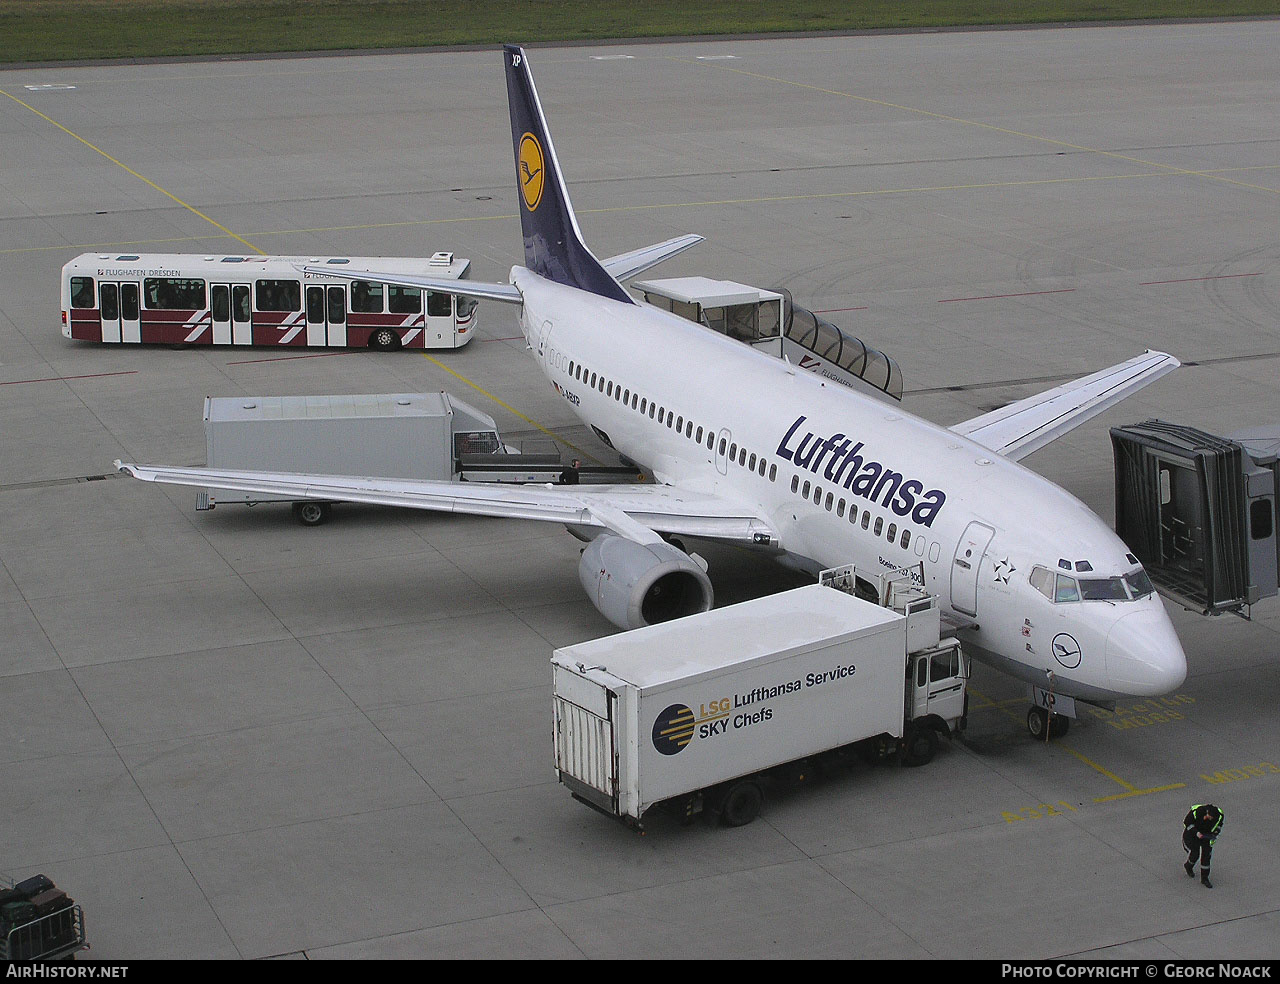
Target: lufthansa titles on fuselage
(846,466)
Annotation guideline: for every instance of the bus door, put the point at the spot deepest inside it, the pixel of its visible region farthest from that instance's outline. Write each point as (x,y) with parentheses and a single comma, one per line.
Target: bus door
(118,303)
(326,315)
(220,312)
(241,315)
(439,322)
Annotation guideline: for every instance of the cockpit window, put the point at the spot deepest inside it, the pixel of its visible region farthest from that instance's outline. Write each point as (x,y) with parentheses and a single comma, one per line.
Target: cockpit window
(1060,588)
(1102,589)
(1139,584)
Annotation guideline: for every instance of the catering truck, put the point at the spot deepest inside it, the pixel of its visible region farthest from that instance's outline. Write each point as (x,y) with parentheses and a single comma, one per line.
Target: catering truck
(703,714)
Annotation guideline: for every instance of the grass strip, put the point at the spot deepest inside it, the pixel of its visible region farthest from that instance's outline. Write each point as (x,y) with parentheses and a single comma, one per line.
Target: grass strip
(59,30)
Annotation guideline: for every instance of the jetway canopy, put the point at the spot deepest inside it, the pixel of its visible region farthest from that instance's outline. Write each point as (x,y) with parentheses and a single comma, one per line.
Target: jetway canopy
(1199,512)
(769,320)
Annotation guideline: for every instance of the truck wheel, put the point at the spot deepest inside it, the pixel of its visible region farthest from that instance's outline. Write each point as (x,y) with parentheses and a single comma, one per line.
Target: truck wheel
(919,746)
(311,513)
(384,340)
(1037,722)
(741,804)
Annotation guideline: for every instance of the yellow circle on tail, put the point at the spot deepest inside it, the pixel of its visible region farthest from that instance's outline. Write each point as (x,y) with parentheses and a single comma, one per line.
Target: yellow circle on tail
(532,171)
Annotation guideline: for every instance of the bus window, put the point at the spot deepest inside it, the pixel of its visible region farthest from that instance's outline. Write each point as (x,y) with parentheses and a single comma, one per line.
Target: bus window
(128,302)
(240,301)
(173,294)
(337,305)
(110,302)
(221,304)
(82,292)
(465,306)
(438,305)
(366,298)
(404,300)
(279,295)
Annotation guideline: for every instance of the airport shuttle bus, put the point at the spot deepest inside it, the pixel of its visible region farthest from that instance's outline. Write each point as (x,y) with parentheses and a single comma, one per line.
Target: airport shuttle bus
(182,299)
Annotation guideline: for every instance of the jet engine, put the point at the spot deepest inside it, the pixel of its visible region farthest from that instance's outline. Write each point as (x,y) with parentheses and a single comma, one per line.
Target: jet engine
(635,584)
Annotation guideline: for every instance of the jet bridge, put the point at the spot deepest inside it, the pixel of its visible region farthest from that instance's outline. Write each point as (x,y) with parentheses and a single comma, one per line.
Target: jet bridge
(1199,512)
(770,321)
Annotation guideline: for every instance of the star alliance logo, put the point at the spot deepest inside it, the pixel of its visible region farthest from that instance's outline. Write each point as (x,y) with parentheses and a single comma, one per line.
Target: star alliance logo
(1003,570)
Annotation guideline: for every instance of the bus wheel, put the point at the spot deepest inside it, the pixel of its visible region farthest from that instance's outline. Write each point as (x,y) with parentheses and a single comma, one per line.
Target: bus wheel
(384,340)
(920,745)
(741,804)
(311,513)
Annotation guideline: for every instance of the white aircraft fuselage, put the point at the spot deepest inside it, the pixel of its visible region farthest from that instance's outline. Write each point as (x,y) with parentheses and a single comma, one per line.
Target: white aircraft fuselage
(977,521)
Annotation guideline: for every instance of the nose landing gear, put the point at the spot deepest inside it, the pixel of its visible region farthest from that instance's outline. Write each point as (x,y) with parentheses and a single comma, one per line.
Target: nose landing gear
(1039,721)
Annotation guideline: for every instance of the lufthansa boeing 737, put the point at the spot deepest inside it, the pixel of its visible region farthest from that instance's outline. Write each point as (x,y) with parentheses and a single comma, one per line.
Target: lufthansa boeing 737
(756,452)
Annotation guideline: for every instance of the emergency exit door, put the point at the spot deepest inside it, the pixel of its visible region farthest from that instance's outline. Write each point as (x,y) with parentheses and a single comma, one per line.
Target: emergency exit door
(965,566)
(326,316)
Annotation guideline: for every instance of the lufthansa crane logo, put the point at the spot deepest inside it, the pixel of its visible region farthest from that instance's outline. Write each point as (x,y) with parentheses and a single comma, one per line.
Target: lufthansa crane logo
(1066,650)
(531,171)
(673,729)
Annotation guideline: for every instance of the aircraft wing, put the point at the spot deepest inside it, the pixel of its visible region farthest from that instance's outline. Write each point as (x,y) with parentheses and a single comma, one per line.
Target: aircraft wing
(627,265)
(506,293)
(1028,425)
(637,512)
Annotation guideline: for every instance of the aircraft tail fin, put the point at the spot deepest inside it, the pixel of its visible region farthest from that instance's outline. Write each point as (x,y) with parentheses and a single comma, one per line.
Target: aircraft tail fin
(553,246)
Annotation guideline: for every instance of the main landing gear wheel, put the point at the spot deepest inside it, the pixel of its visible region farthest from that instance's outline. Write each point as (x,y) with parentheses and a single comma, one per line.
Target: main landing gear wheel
(384,340)
(1038,719)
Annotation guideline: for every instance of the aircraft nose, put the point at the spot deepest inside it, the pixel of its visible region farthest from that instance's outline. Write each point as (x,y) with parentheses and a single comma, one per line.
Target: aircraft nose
(1144,656)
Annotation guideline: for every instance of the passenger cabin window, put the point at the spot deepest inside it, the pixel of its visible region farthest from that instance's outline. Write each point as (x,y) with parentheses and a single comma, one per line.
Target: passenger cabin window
(892,533)
(279,295)
(176,294)
(82,292)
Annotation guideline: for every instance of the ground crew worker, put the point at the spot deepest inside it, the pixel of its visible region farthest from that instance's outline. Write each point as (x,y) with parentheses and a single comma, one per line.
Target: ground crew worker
(1200,828)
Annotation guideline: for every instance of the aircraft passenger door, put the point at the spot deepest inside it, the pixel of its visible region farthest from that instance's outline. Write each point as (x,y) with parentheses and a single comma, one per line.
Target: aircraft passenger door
(109,311)
(241,315)
(130,314)
(220,312)
(965,566)
(722,454)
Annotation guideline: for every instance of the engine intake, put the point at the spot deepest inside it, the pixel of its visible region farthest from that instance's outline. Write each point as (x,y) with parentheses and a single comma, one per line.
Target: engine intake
(637,584)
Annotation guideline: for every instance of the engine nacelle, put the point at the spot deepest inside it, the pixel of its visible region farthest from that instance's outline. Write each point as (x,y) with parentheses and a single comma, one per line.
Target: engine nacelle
(636,584)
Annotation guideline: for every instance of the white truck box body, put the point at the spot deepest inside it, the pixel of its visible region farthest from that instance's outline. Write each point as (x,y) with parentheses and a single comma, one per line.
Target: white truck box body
(389,435)
(669,709)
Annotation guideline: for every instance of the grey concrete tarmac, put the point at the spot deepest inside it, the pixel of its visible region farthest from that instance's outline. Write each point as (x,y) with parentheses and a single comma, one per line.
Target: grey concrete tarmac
(228,736)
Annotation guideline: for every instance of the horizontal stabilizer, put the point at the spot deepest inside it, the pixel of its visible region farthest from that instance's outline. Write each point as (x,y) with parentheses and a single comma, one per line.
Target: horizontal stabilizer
(627,265)
(506,293)
(1028,425)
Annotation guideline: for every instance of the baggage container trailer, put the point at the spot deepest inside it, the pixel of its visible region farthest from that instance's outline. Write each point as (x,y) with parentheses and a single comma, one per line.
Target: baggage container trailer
(704,713)
(388,435)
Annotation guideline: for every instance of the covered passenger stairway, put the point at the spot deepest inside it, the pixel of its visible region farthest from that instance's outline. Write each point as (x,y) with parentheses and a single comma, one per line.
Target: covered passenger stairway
(771,321)
(1199,512)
